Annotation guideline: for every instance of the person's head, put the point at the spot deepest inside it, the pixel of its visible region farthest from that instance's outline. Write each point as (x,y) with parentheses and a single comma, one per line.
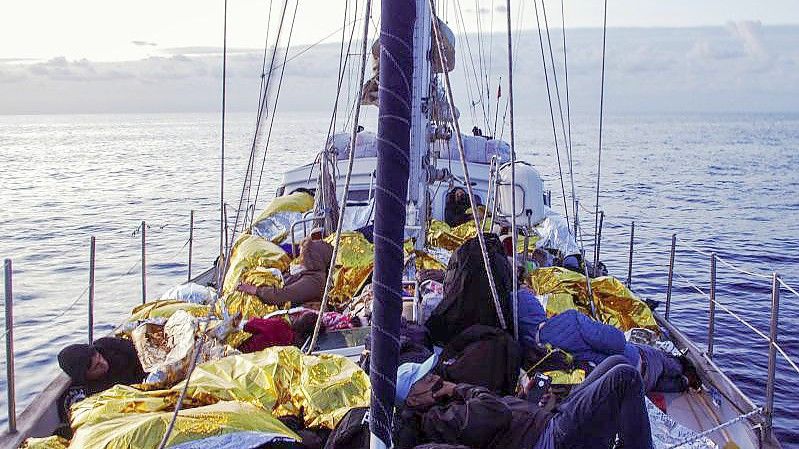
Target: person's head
(303,325)
(315,255)
(83,362)
(408,374)
(303,190)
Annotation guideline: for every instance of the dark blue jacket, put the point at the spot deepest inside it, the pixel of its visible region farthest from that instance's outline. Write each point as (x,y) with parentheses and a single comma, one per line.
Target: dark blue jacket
(531,314)
(586,339)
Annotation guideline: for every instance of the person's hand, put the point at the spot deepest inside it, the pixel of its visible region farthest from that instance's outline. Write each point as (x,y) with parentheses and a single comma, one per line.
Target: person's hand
(247,288)
(446,390)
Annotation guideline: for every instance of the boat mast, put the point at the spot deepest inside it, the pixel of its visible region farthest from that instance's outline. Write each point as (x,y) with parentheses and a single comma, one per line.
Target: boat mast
(393,142)
(418,197)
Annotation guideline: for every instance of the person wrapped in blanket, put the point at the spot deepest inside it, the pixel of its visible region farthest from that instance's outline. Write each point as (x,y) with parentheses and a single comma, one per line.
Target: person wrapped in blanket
(592,342)
(608,403)
(93,368)
(305,283)
(291,328)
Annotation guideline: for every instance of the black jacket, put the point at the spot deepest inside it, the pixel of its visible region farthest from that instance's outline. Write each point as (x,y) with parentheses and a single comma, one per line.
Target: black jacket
(474,417)
(124,366)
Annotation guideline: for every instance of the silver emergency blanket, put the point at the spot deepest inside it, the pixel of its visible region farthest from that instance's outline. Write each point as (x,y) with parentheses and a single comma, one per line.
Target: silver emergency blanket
(666,432)
(358,216)
(431,293)
(279,225)
(554,234)
(238,440)
(191,292)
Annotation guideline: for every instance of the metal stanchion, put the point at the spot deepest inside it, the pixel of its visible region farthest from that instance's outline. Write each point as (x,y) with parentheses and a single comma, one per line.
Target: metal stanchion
(630,257)
(143,262)
(191,240)
(768,408)
(711,327)
(10,379)
(91,289)
(598,241)
(576,206)
(671,274)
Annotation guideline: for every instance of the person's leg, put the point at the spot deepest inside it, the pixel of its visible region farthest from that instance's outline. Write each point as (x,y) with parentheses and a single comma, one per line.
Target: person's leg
(600,370)
(612,403)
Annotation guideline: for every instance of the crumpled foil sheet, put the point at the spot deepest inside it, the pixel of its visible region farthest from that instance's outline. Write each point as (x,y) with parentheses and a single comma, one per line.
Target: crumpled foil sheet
(615,303)
(666,432)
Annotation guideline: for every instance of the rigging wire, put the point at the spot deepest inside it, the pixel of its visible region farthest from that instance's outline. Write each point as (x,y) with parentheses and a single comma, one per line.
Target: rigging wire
(514,234)
(257,134)
(343,206)
(439,41)
(601,119)
(477,79)
(201,340)
(566,75)
(222,239)
(560,108)
(552,113)
(274,112)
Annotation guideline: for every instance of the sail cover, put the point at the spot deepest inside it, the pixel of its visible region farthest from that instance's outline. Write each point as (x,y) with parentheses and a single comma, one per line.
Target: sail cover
(393,142)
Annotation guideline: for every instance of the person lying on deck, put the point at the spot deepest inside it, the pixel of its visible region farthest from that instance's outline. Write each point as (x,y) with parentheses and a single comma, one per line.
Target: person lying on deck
(305,284)
(101,365)
(609,402)
(590,341)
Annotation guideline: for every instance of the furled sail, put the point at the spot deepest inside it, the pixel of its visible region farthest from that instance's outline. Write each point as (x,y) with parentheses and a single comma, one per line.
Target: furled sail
(393,145)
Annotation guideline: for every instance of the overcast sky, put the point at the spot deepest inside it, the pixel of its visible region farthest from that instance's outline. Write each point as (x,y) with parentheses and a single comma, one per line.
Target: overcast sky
(147,55)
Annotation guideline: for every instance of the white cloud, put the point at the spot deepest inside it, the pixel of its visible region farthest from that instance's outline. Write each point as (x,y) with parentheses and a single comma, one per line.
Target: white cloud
(741,67)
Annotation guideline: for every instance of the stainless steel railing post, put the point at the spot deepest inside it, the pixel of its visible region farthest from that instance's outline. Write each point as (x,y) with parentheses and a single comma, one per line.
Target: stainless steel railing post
(576,206)
(143,262)
(671,275)
(768,409)
(92,254)
(598,240)
(191,241)
(630,257)
(711,327)
(10,380)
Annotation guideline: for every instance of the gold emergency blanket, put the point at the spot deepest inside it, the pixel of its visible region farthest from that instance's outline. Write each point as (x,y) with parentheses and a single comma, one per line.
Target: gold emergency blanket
(251,252)
(165,309)
(441,235)
(354,264)
(251,261)
(285,381)
(145,430)
(560,377)
(53,442)
(615,304)
(249,305)
(248,390)
(296,202)
(276,220)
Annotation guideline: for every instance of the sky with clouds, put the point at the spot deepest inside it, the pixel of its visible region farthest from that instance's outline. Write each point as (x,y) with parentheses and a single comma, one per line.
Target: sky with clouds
(149,56)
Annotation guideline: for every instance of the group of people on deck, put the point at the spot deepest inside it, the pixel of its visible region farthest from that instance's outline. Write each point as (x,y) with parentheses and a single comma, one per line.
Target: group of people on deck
(608,405)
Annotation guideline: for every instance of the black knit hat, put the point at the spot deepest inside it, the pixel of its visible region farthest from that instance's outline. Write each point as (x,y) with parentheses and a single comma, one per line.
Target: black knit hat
(75,361)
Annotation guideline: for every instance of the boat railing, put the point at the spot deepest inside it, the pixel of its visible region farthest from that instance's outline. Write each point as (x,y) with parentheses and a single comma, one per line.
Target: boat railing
(766,412)
(141,263)
(594,239)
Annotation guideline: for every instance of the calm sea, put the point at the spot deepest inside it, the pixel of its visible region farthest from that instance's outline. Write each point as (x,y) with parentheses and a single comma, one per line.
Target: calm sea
(724,183)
